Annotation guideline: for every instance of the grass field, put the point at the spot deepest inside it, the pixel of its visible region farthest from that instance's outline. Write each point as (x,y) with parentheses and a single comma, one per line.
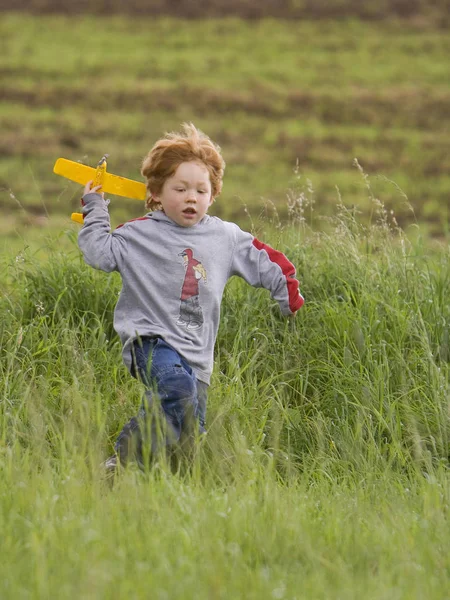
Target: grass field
(325,469)
(274,94)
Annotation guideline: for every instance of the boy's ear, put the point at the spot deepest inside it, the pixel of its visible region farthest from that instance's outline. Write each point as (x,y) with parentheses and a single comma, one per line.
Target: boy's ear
(211,200)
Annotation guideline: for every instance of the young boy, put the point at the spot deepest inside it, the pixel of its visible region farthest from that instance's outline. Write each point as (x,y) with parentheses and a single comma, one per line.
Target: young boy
(174,263)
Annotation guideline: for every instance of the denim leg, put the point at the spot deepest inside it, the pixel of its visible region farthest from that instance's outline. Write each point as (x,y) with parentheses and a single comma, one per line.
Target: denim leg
(182,400)
(130,439)
(175,383)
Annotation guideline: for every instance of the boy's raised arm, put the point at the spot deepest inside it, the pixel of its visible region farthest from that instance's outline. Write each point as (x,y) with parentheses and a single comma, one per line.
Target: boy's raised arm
(101,249)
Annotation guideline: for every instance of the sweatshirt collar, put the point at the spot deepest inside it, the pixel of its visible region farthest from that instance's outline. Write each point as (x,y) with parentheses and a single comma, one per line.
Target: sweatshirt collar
(159,215)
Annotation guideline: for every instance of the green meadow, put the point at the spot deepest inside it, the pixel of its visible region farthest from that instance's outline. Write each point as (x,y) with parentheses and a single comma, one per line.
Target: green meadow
(325,469)
(324,473)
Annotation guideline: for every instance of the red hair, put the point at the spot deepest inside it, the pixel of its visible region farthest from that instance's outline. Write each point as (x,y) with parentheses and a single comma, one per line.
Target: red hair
(175,148)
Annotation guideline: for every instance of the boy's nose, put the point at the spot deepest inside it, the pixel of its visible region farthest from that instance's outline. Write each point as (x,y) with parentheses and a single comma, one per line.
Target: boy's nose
(192,196)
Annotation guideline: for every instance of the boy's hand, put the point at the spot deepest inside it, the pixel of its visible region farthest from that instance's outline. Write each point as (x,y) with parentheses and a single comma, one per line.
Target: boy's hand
(94,190)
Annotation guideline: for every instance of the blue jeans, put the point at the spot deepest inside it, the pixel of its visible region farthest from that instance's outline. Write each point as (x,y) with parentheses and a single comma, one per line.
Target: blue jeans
(180,403)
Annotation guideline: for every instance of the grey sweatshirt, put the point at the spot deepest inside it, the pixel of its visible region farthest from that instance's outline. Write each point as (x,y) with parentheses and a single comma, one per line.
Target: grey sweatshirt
(173,277)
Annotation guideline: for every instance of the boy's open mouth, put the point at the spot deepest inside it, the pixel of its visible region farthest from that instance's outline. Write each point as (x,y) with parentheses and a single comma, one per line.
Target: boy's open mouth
(189,211)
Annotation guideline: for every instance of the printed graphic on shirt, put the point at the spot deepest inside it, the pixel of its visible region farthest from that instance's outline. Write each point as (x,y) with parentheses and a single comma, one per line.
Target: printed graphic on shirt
(191,314)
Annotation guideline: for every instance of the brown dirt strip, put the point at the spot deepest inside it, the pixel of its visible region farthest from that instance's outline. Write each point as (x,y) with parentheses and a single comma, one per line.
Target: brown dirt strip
(402,108)
(423,10)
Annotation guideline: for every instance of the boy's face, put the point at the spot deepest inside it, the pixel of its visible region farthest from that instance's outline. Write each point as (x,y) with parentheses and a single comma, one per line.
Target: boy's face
(186,196)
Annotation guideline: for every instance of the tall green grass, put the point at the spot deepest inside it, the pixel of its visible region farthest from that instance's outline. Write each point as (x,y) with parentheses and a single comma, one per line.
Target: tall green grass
(324,473)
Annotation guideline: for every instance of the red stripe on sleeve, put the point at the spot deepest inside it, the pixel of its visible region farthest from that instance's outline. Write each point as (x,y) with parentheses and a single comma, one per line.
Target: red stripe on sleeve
(295,299)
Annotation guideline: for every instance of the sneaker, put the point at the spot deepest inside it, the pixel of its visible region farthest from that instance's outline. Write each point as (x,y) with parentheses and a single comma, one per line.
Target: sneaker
(111,465)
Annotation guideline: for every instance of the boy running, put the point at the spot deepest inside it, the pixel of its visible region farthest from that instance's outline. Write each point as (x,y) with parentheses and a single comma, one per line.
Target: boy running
(174,263)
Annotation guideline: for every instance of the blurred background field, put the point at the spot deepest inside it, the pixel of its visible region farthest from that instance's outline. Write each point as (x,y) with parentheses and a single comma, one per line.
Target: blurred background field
(291,100)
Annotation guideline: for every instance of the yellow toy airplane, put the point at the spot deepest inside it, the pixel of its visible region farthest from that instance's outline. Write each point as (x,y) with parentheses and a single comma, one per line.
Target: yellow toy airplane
(112,184)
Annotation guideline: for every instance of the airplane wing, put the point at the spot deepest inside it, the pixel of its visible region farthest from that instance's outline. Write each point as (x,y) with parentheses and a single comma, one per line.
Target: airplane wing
(112,184)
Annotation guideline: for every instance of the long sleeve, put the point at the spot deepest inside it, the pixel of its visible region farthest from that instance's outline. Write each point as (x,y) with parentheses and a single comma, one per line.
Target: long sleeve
(101,249)
(262,266)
